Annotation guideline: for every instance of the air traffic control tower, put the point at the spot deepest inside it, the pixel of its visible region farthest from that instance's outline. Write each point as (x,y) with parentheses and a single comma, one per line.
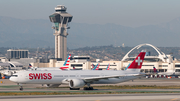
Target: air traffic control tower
(61,19)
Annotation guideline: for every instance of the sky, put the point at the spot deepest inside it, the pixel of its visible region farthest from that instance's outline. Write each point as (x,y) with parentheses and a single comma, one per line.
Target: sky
(132,13)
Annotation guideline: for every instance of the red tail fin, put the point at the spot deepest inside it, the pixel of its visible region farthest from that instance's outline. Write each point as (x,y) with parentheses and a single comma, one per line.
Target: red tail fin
(137,63)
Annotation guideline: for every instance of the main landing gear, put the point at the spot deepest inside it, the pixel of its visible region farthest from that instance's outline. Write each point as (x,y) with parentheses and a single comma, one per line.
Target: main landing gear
(74,88)
(88,88)
(85,88)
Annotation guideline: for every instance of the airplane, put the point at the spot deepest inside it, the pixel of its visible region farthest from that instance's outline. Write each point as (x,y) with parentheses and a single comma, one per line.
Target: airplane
(148,75)
(169,72)
(64,67)
(80,78)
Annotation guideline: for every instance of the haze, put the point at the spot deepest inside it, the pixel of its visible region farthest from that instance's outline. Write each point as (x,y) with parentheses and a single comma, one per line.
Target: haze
(132,13)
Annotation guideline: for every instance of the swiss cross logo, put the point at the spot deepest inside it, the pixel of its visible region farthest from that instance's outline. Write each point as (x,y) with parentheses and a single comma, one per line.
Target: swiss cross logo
(138,61)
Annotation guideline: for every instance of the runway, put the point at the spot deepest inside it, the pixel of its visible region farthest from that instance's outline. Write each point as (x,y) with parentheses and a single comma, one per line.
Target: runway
(7,85)
(99,97)
(97,94)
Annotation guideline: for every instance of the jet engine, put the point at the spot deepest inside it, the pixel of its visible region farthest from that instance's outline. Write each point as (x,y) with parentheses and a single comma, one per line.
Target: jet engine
(76,83)
(52,85)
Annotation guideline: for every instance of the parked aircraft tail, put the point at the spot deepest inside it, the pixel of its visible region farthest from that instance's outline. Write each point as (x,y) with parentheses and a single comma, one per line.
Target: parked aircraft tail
(66,63)
(155,70)
(92,66)
(30,65)
(108,67)
(96,67)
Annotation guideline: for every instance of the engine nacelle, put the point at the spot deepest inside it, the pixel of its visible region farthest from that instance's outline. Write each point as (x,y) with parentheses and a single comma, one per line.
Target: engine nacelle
(52,85)
(76,83)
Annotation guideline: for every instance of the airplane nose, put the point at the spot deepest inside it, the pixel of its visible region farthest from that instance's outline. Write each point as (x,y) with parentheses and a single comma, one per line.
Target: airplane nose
(14,79)
(11,78)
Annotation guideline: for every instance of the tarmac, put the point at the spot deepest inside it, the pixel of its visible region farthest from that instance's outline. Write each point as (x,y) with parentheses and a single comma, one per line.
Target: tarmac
(99,97)
(8,86)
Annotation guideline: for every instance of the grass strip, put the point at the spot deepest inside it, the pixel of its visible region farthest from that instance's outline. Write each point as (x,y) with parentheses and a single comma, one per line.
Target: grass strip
(9,86)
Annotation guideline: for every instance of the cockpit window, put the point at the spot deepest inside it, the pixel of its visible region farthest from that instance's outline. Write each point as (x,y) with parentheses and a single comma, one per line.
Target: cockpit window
(14,76)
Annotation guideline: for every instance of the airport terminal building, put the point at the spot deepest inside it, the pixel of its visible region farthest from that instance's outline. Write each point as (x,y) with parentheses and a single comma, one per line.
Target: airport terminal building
(162,62)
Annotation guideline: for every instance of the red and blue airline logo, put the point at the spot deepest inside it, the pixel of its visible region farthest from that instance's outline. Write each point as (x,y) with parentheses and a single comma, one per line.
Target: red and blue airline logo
(66,63)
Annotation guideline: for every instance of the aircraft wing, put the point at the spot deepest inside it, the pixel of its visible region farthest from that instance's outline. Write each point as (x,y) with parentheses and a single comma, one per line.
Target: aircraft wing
(91,79)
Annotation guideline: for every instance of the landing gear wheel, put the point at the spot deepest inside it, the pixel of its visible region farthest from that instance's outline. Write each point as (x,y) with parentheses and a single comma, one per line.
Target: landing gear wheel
(74,88)
(88,88)
(91,88)
(21,88)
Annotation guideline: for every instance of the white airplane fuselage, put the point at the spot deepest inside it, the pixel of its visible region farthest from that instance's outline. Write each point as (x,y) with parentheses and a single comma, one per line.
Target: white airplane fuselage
(58,77)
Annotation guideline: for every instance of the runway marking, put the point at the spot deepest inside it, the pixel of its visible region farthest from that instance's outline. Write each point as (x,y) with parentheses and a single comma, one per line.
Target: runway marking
(174,99)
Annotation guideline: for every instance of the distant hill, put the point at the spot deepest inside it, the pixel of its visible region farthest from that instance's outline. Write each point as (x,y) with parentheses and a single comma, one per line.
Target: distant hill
(117,53)
(38,33)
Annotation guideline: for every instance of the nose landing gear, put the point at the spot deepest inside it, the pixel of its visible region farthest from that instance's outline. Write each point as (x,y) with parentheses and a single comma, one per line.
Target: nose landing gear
(20,88)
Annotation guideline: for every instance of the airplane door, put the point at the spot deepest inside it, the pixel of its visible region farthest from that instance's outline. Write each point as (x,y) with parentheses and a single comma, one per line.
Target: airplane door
(25,78)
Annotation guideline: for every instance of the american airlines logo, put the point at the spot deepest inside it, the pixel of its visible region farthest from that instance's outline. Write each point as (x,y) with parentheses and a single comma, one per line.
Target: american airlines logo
(40,76)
